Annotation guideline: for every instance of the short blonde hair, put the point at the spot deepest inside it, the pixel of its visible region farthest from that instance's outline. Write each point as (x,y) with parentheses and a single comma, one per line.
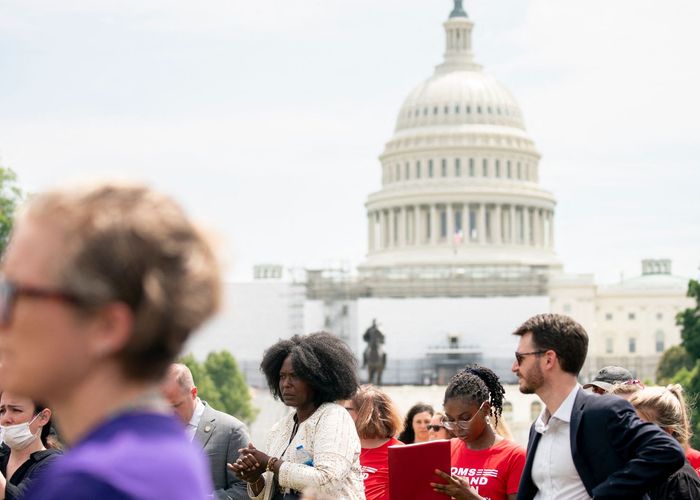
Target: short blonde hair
(666,407)
(130,244)
(377,416)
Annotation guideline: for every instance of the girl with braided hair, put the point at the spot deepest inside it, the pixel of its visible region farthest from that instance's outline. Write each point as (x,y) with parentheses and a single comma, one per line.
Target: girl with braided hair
(484,464)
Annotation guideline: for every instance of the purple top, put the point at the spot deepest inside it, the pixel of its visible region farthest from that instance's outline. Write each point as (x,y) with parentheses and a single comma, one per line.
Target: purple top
(134,456)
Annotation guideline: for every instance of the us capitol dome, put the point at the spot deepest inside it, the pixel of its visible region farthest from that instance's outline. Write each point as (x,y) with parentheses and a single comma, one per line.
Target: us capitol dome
(460,211)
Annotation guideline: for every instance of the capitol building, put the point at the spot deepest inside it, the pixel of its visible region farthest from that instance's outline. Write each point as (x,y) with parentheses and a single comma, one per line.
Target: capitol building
(460,211)
(460,251)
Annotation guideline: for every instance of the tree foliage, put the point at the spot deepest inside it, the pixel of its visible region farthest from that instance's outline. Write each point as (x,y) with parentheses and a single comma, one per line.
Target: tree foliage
(10,196)
(233,390)
(220,383)
(689,321)
(673,360)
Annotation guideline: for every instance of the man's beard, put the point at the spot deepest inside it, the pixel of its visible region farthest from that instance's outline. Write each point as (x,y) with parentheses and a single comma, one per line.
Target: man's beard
(534,380)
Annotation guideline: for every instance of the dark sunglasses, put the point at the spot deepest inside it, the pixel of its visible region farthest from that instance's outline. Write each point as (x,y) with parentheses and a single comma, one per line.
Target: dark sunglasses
(520,356)
(10,291)
(435,428)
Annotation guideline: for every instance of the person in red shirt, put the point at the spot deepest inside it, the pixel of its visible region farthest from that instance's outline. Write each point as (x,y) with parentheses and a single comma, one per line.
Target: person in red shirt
(693,457)
(377,421)
(484,464)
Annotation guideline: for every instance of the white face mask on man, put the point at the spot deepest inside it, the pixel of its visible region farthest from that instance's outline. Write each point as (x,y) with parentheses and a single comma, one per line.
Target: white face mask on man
(19,436)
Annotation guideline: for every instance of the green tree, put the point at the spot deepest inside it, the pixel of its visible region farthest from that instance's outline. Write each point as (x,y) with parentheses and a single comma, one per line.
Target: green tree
(10,196)
(228,379)
(206,389)
(671,362)
(689,321)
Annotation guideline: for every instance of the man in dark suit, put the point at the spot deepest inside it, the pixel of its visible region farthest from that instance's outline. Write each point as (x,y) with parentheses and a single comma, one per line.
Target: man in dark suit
(220,434)
(582,445)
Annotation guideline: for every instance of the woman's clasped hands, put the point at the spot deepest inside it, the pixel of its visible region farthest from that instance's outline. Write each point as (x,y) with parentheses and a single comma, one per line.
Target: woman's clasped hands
(250,465)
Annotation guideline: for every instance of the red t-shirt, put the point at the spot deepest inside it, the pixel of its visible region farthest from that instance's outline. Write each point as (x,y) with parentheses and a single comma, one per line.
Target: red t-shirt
(494,472)
(693,457)
(375,470)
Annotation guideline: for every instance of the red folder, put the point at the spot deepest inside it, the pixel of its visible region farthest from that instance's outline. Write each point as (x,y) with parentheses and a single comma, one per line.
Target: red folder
(412,469)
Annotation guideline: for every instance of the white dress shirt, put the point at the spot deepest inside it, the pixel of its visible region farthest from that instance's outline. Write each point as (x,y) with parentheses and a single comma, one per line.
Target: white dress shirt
(553,470)
(194,421)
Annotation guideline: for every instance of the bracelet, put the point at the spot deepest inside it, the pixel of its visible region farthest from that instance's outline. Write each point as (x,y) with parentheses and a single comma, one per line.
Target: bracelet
(271,463)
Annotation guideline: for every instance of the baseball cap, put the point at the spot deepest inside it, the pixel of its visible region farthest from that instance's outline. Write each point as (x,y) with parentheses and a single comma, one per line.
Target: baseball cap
(609,376)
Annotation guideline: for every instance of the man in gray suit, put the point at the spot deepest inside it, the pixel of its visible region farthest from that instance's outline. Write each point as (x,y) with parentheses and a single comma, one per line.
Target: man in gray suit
(221,434)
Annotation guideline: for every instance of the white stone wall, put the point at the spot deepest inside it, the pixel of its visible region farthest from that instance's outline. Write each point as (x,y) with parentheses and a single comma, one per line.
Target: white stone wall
(412,326)
(253,316)
(624,320)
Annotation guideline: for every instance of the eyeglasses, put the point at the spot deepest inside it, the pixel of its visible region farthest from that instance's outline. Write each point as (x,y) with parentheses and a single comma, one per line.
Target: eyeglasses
(435,428)
(10,291)
(519,356)
(453,425)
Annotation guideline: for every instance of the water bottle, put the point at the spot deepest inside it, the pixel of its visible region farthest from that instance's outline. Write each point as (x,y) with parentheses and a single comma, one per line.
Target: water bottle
(303,456)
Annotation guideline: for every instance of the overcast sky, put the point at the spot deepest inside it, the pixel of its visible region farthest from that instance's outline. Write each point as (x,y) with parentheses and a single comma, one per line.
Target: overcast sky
(265,118)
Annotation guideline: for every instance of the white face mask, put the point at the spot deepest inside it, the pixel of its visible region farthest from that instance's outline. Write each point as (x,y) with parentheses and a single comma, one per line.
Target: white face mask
(18,436)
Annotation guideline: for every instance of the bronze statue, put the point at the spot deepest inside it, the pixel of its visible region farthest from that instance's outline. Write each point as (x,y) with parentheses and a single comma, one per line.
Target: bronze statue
(374,357)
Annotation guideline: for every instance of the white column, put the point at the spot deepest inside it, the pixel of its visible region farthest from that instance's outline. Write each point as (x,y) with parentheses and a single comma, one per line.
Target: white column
(481,225)
(497,231)
(387,220)
(551,229)
(370,231)
(401,226)
(513,234)
(382,229)
(465,220)
(417,236)
(526,226)
(449,213)
(543,214)
(536,227)
(433,224)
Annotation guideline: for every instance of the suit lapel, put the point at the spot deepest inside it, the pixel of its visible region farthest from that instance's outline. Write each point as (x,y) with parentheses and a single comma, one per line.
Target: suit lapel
(527,489)
(574,425)
(206,426)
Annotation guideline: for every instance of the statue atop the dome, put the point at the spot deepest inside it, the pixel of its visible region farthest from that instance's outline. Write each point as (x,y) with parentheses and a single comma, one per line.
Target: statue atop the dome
(374,357)
(458,11)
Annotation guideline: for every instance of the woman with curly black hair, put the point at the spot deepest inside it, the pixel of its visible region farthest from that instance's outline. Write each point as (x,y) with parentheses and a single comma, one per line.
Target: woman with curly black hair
(484,464)
(316,446)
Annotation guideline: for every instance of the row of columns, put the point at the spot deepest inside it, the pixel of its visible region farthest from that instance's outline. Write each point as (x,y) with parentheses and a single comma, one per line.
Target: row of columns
(460,224)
